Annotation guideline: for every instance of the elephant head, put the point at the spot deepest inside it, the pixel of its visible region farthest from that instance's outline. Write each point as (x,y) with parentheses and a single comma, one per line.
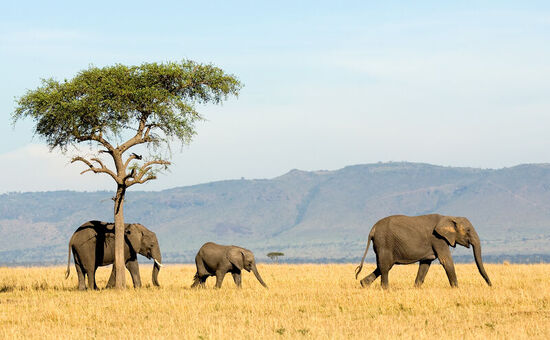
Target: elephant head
(144,242)
(244,259)
(460,230)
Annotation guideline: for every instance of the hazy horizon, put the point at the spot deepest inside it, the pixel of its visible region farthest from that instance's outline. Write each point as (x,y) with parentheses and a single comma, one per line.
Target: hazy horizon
(144,187)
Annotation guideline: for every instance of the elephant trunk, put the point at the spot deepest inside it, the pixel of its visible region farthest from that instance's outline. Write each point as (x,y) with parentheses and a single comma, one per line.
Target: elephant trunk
(476,245)
(255,271)
(156,268)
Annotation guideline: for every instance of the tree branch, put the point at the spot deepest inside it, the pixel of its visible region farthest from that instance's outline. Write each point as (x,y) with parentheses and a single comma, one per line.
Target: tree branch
(145,169)
(154,162)
(98,138)
(141,181)
(139,137)
(96,170)
(132,157)
(130,175)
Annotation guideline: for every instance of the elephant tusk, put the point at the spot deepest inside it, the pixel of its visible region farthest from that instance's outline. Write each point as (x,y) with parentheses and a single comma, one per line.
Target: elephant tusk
(158,263)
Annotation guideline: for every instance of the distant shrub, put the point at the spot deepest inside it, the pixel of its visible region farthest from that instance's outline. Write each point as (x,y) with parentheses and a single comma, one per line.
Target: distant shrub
(274,256)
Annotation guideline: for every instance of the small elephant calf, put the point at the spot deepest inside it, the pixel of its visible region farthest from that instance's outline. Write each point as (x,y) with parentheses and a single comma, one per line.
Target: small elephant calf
(217,260)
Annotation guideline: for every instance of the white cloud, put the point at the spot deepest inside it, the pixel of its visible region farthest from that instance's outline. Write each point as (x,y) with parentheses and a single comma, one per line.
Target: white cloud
(34,168)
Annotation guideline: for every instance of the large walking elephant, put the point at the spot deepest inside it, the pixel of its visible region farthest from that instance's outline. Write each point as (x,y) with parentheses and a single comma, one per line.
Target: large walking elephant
(402,239)
(217,260)
(93,244)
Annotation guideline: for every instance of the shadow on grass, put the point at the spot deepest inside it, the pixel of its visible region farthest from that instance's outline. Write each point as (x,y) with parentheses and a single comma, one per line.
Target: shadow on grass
(6,288)
(44,286)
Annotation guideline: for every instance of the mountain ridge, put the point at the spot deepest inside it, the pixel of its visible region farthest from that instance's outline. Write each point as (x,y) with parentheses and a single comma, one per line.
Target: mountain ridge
(309,215)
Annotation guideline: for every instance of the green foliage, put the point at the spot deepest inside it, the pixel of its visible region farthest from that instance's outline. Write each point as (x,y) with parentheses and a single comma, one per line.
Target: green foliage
(274,254)
(104,102)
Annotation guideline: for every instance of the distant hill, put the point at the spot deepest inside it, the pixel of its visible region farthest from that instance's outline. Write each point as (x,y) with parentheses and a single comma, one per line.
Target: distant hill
(310,216)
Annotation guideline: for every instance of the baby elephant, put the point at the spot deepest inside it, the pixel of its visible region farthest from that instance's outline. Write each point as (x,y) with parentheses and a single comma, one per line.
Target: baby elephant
(217,260)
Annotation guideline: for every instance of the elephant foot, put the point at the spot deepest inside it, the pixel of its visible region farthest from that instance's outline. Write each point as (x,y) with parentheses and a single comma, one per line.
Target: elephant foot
(418,284)
(366,282)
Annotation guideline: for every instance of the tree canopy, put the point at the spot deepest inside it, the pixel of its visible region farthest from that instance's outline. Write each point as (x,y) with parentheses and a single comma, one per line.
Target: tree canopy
(275,255)
(102,102)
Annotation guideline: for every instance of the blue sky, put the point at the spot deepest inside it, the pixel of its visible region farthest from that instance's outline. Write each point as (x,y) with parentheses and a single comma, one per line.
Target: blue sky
(326,85)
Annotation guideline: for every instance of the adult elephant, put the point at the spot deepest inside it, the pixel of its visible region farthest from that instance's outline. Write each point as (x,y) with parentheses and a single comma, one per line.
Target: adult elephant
(407,239)
(217,260)
(93,244)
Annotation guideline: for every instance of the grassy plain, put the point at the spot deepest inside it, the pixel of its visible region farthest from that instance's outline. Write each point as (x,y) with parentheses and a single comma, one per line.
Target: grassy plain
(303,301)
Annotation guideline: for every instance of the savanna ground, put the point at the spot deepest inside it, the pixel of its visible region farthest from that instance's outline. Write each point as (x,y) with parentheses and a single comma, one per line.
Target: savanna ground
(303,301)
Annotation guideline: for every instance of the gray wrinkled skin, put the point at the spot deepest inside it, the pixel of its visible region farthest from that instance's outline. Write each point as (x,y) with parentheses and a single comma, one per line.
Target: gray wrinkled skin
(217,260)
(93,243)
(403,239)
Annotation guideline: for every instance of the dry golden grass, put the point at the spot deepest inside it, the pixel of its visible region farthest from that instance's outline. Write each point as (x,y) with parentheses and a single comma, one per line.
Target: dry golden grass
(303,301)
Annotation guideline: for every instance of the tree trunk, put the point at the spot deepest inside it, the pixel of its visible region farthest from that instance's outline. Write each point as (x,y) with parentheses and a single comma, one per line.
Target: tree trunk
(120,272)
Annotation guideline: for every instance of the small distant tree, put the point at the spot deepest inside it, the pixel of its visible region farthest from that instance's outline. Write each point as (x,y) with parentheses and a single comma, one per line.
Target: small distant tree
(118,107)
(274,256)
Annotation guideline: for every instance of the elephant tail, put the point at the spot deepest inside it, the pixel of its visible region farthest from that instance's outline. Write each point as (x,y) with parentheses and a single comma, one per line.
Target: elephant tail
(68,272)
(360,267)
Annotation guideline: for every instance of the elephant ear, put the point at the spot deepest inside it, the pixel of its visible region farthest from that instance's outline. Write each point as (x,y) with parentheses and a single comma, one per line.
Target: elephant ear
(446,228)
(236,257)
(134,235)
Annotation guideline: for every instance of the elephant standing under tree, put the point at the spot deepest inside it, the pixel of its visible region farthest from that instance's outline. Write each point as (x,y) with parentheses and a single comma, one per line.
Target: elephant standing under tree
(217,260)
(93,243)
(402,239)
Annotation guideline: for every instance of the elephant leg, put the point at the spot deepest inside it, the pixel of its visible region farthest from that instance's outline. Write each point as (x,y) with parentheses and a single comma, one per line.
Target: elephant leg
(237,279)
(384,276)
(367,280)
(199,281)
(385,262)
(196,280)
(112,279)
(219,278)
(449,266)
(81,277)
(91,279)
(201,268)
(422,271)
(446,260)
(133,268)
(80,271)
(89,268)
(201,275)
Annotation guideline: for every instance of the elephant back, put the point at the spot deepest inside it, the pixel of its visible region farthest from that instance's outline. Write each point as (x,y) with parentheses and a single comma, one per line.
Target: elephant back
(89,230)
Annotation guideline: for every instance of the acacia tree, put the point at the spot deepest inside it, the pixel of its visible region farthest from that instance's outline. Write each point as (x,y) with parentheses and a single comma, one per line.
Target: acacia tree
(118,107)
(274,256)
